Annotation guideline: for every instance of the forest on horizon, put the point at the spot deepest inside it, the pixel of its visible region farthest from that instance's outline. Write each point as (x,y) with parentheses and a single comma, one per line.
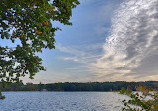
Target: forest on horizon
(77,86)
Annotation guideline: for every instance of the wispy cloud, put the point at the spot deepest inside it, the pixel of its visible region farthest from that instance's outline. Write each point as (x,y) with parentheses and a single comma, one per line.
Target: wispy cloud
(71,59)
(69,50)
(85,56)
(131,50)
(46,77)
(81,53)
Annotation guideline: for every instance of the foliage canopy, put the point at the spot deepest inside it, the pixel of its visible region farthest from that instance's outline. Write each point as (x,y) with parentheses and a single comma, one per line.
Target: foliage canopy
(30,22)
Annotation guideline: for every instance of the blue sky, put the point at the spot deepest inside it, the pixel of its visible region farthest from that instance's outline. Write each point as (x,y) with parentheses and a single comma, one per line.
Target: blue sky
(110,40)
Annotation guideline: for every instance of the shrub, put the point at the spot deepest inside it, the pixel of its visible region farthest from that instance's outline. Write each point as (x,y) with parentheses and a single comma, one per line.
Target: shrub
(144,99)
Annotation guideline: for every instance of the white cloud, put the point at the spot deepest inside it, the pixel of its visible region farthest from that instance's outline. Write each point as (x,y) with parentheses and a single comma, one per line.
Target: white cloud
(131,50)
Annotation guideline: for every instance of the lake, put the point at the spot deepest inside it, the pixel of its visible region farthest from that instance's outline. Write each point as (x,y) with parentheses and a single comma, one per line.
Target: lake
(61,101)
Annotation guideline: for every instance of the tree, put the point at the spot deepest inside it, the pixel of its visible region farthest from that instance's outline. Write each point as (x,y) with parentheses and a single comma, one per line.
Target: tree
(29,21)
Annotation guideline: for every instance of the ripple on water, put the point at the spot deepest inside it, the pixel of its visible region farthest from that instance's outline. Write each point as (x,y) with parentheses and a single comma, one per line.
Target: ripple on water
(61,101)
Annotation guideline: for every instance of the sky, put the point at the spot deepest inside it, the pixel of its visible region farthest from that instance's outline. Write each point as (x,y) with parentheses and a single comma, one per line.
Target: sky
(110,40)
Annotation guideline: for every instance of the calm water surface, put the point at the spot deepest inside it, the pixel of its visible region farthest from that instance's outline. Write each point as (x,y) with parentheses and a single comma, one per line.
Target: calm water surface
(61,101)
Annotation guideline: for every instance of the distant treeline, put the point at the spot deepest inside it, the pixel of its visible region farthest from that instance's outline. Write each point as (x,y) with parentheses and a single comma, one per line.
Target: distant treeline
(75,86)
